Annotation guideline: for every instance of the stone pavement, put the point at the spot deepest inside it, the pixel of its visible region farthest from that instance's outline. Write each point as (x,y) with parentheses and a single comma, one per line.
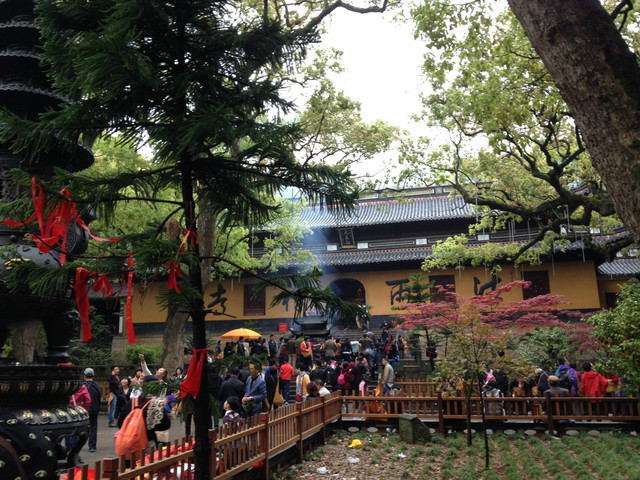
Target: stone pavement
(105,441)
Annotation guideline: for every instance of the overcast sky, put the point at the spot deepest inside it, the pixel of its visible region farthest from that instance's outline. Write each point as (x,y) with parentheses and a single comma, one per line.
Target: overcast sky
(382,71)
(382,64)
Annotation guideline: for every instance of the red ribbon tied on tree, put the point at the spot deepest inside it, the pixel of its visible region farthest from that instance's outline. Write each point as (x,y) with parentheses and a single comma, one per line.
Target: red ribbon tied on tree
(191,384)
(174,267)
(53,230)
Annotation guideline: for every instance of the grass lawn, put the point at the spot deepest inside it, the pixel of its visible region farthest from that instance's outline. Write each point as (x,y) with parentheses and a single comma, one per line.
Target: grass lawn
(609,456)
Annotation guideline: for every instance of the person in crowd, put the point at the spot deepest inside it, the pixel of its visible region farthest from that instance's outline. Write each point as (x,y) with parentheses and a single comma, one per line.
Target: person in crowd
(239,347)
(228,350)
(322,390)
(286,373)
(177,376)
(255,390)
(345,378)
(542,380)
(302,380)
(312,391)
(124,395)
(490,391)
(232,410)
(306,353)
(366,347)
(114,386)
(593,385)
(385,334)
(161,372)
(377,360)
(330,347)
(320,372)
(402,346)
(243,374)
(156,417)
(567,377)
(79,399)
(283,351)
(356,348)
(387,375)
(96,393)
(256,348)
(271,381)
(359,371)
(272,346)
(332,374)
(231,387)
(555,390)
(345,350)
(138,375)
(293,351)
(214,383)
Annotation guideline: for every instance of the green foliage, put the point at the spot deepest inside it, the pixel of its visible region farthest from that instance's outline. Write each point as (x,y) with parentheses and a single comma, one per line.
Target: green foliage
(544,346)
(418,291)
(41,280)
(618,332)
(514,152)
(151,353)
(96,351)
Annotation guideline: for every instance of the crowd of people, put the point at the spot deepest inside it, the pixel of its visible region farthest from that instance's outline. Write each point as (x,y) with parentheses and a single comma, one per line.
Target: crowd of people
(566,380)
(297,370)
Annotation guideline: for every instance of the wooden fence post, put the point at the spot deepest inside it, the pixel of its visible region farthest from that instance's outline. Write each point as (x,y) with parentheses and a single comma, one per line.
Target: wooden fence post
(549,413)
(323,432)
(264,442)
(110,468)
(440,414)
(299,444)
(213,461)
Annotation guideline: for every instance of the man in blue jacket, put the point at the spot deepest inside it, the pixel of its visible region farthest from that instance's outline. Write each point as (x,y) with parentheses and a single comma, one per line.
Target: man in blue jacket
(255,390)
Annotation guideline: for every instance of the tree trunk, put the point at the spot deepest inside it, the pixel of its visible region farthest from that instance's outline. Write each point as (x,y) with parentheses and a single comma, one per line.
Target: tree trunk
(599,78)
(201,413)
(173,338)
(173,335)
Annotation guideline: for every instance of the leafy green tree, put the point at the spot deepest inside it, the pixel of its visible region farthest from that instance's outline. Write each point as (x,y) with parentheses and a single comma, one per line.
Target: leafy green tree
(618,333)
(544,346)
(514,150)
(194,79)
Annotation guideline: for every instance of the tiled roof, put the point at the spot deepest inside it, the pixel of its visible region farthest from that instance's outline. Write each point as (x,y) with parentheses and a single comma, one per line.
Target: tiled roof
(359,257)
(391,210)
(620,267)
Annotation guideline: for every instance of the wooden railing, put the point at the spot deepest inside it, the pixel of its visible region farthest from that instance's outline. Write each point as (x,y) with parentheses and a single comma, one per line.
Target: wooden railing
(252,442)
(547,409)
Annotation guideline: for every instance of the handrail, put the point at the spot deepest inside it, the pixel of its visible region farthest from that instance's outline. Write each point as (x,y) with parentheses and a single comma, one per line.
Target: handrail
(239,446)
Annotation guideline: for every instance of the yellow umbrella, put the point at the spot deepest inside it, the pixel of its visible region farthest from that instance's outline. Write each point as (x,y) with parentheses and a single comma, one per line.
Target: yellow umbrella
(241,332)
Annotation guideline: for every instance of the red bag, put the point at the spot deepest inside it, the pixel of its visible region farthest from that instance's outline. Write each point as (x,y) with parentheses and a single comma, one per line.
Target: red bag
(132,437)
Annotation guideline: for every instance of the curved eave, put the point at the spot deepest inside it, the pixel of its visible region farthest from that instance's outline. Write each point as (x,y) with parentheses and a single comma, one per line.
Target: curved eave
(620,268)
(381,212)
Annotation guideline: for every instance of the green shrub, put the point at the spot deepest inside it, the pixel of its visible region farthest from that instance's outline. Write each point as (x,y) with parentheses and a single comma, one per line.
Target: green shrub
(151,353)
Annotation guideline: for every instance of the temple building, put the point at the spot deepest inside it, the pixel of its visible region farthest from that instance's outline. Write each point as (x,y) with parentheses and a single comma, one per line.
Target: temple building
(368,256)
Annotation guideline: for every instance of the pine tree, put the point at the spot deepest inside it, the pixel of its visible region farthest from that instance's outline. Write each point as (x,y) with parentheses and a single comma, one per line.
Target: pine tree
(198,81)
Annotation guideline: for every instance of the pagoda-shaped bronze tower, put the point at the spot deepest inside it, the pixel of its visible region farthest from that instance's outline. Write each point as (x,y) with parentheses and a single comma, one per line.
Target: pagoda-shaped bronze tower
(37,394)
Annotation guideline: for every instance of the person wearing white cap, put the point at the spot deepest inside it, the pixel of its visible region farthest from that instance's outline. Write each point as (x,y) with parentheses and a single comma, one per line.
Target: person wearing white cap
(96,393)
